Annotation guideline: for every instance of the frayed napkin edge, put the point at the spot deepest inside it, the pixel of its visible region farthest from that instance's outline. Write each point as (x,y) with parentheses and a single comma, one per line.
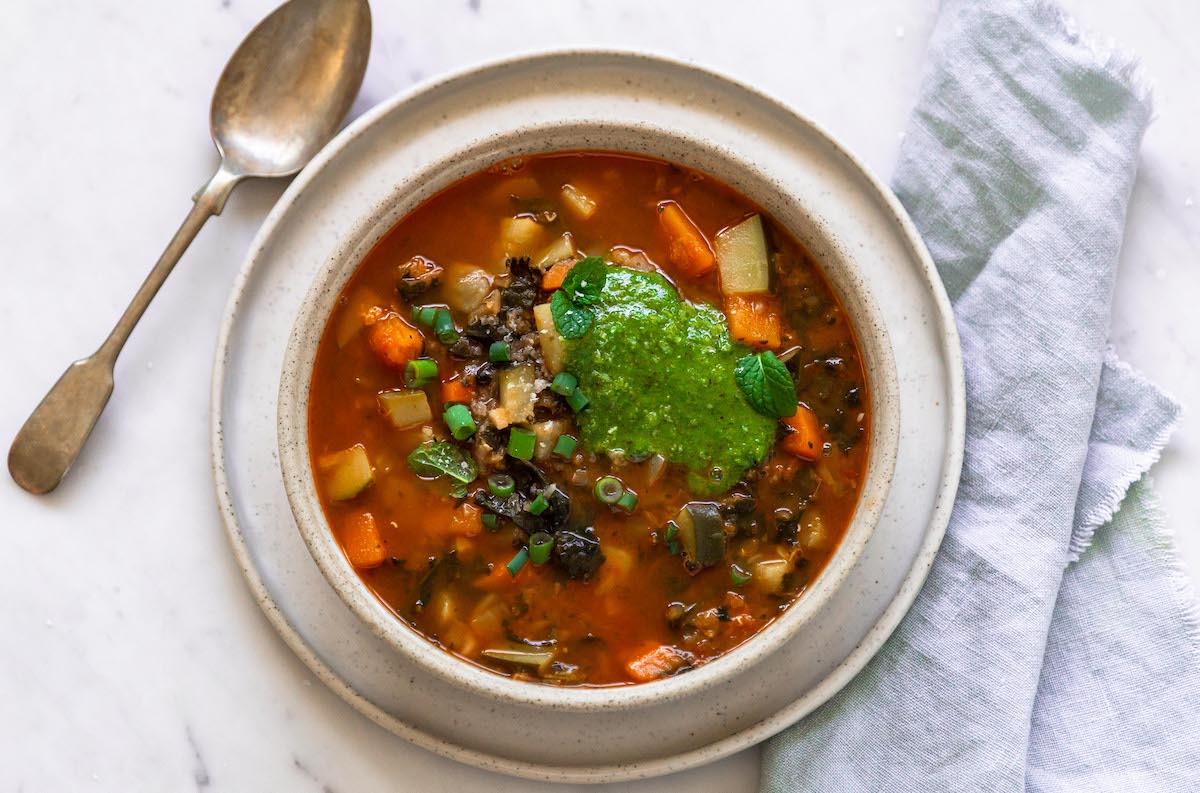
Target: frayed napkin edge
(1180,583)
(1102,513)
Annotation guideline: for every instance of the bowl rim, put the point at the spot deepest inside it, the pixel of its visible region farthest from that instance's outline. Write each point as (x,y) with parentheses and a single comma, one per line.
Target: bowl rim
(866,321)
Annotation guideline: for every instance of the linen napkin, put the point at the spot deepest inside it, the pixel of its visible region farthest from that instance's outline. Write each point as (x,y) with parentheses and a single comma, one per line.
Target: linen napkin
(1053,647)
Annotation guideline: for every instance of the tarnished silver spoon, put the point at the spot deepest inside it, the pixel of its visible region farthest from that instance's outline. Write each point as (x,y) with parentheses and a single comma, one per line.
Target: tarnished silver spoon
(282,96)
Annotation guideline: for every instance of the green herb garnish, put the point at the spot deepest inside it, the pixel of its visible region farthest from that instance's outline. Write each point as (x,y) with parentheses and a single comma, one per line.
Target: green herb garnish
(436,459)
(585,281)
(571,320)
(767,384)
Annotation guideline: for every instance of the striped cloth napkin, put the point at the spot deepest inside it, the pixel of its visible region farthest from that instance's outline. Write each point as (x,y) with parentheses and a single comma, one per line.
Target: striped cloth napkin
(1056,645)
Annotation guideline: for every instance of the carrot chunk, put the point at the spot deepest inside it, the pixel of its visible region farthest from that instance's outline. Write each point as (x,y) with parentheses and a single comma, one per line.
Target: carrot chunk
(687,249)
(394,341)
(658,662)
(754,320)
(805,439)
(455,390)
(362,542)
(554,277)
(467,521)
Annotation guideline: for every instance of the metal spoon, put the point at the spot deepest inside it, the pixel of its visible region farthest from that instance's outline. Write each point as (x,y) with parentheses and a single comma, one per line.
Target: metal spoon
(282,96)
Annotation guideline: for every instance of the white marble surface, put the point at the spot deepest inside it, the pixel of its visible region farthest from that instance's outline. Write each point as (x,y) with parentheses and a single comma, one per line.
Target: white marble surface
(131,654)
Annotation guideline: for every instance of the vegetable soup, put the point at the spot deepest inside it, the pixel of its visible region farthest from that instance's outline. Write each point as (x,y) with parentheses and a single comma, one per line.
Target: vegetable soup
(588,419)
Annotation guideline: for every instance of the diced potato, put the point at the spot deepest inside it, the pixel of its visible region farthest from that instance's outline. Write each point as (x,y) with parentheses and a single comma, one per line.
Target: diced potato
(489,614)
(547,433)
(520,235)
(742,258)
(360,307)
(499,417)
(466,520)
(517,391)
(523,186)
(405,409)
(362,541)
(465,287)
(553,347)
(769,574)
(577,202)
(658,662)
(812,530)
(561,248)
(618,564)
(347,473)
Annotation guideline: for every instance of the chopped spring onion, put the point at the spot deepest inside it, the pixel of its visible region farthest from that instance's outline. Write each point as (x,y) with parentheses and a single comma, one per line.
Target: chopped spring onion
(540,545)
(501,485)
(627,501)
(609,490)
(517,562)
(521,443)
(539,504)
(577,400)
(674,547)
(498,352)
(420,372)
(672,530)
(565,446)
(564,383)
(443,326)
(458,420)
(738,575)
(425,315)
(491,520)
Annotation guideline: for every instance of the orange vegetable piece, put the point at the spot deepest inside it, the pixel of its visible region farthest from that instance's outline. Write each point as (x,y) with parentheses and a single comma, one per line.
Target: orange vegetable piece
(687,248)
(805,439)
(455,390)
(553,278)
(394,341)
(754,320)
(467,521)
(660,661)
(362,542)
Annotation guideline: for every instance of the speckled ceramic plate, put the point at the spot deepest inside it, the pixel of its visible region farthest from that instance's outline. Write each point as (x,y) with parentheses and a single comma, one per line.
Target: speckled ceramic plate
(362,170)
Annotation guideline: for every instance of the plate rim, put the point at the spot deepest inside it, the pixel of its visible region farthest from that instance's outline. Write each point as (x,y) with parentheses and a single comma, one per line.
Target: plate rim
(754,733)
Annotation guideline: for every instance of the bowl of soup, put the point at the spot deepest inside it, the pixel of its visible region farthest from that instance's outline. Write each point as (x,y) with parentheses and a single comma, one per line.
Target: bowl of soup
(584,426)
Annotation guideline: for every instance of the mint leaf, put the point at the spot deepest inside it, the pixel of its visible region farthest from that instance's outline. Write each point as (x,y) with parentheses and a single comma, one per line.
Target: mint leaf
(436,459)
(767,384)
(571,320)
(585,281)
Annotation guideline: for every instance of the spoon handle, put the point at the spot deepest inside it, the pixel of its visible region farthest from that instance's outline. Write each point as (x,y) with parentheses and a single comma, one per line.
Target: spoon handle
(55,432)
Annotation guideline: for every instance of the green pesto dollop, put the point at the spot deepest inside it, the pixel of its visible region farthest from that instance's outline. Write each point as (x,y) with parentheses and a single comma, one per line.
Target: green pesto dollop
(659,372)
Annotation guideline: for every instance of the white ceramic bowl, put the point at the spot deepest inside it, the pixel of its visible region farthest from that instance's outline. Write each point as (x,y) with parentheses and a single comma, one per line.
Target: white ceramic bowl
(797,213)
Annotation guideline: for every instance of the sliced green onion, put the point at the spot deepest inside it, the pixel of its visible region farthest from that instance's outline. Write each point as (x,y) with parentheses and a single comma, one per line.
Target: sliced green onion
(517,562)
(564,446)
(458,419)
(540,545)
(738,575)
(627,501)
(491,520)
(501,485)
(498,352)
(426,315)
(672,530)
(521,443)
(577,400)
(416,314)
(609,490)
(443,326)
(564,383)
(674,547)
(539,504)
(420,372)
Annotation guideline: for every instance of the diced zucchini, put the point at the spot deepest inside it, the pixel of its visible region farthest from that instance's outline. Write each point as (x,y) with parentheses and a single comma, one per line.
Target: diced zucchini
(769,574)
(577,202)
(742,258)
(519,235)
(547,434)
(465,287)
(701,533)
(812,530)
(553,348)
(561,248)
(516,392)
(405,409)
(530,659)
(347,473)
